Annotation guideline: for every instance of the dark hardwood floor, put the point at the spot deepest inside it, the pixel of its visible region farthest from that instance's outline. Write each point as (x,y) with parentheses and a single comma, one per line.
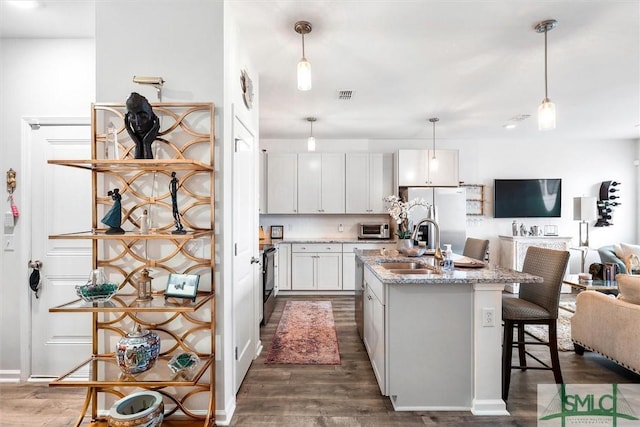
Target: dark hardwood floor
(342,395)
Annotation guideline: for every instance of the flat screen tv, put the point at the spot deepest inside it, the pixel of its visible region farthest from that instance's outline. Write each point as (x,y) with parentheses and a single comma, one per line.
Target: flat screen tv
(527,198)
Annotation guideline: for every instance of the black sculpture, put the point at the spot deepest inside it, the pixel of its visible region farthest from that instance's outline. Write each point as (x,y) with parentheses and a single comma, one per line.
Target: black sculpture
(142,125)
(113,218)
(173,190)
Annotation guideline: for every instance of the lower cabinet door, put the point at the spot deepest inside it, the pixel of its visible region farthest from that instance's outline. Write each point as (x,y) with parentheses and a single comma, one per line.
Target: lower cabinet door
(329,271)
(377,342)
(303,271)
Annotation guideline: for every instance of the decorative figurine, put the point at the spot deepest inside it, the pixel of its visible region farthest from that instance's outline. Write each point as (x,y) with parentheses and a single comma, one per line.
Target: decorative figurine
(113,218)
(173,189)
(142,125)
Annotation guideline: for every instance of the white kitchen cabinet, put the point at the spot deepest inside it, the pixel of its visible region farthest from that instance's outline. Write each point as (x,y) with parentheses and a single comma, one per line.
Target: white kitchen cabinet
(374,328)
(349,261)
(282,183)
(316,266)
(368,180)
(321,183)
(414,168)
(283,260)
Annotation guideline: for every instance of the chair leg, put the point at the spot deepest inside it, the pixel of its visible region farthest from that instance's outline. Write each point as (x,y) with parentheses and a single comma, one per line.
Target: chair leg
(507,349)
(522,355)
(553,350)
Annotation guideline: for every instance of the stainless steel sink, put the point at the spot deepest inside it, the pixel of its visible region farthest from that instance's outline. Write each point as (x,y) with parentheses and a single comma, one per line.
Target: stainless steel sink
(402,265)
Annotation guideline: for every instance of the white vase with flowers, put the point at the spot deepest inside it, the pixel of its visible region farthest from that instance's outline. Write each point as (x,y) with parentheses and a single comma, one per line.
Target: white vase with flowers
(399,210)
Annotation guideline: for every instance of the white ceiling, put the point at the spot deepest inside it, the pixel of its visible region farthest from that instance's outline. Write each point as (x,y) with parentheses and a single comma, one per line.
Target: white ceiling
(475,64)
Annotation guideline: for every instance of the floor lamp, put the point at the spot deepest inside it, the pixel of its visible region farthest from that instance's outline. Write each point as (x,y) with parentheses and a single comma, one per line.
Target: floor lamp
(584,210)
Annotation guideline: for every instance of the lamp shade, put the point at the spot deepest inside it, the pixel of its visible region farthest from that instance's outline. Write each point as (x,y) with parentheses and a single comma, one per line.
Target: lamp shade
(547,115)
(584,209)
(311,144)
(304,75)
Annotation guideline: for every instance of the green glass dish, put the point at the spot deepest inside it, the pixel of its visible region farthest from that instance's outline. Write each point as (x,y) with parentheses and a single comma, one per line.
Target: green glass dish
(97,293)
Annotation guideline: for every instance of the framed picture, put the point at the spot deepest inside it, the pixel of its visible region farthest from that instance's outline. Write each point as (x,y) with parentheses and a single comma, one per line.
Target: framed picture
(277,231)
(182,286)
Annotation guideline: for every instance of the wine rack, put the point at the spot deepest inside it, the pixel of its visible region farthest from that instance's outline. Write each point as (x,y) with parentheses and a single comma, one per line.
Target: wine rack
(609,199)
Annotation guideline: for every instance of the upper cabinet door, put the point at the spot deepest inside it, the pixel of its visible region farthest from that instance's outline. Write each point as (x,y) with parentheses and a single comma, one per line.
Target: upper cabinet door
(282,183)
(380,181)
(445,174)
(357,183)
(310,183)
(262,205)
(369,180)
(415,168)
(321,183)
(332,191)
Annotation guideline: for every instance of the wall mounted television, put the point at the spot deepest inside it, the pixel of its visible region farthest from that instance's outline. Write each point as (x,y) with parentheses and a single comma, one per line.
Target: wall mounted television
(527,198)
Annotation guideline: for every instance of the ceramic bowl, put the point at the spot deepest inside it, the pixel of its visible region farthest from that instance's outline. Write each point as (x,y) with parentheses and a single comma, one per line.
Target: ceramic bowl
(97,293)
(144,408)
(413,251)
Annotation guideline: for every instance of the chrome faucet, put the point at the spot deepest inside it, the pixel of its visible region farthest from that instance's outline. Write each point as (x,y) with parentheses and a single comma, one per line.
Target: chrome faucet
(438,253)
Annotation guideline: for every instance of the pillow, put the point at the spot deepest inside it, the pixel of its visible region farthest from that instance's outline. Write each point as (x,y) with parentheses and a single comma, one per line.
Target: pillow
(628,288)
(628,249)
(617,249)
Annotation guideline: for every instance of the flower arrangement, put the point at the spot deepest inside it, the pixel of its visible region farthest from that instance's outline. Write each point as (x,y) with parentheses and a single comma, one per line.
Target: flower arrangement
(399,211)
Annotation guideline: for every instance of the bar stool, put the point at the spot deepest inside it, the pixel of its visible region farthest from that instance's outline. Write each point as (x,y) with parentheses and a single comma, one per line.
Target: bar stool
(475,248)
(537,304)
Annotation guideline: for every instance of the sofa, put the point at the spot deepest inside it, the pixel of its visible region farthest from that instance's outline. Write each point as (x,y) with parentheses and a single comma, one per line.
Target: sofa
(609,325)
(609,254)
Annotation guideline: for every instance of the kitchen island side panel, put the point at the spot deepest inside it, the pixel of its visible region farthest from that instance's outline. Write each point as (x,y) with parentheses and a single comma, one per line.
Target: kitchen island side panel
(430,346)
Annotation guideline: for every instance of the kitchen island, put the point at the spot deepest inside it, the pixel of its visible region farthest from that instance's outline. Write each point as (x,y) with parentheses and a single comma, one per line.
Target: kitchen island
(435,339)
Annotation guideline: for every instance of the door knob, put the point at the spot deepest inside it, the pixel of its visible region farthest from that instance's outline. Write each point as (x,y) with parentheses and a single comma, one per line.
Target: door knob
(255,260)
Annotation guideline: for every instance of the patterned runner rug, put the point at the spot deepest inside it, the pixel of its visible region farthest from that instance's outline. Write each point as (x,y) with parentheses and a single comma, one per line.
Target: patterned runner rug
(306,335)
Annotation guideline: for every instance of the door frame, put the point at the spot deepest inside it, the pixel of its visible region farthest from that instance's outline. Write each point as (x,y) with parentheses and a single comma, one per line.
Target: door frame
(28,124)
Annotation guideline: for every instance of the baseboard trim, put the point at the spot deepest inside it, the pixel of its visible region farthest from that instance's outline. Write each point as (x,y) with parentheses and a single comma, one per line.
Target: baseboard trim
(9,376)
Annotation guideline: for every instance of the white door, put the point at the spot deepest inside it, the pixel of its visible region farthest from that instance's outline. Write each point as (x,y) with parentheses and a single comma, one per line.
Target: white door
(60,203)
(246,296)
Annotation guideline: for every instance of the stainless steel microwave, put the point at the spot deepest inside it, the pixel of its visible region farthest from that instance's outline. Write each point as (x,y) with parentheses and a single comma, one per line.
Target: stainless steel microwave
(373,230)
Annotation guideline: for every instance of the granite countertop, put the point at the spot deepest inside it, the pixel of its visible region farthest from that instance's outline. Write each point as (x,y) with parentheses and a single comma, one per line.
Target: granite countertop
(488,274)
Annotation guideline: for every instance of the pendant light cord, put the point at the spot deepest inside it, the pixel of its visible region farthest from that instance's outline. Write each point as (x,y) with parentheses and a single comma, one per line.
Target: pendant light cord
(546,95)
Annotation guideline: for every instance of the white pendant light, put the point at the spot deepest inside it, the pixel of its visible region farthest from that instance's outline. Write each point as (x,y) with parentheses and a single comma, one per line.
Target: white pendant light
(433,162)
(546,110)
(311,141)
(304,67)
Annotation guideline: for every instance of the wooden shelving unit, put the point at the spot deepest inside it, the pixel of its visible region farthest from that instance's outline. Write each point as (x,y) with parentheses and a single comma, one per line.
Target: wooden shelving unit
(184,145)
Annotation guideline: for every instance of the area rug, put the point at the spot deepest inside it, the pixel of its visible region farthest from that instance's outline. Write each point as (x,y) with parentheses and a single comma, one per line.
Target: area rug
(306,335)
(564,331)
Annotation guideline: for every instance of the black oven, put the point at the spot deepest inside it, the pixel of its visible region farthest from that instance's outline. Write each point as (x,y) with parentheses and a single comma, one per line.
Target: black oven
(268,283)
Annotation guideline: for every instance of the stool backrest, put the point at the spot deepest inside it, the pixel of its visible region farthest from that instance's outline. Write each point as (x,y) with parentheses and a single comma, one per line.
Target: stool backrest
(550,264)
(475,248)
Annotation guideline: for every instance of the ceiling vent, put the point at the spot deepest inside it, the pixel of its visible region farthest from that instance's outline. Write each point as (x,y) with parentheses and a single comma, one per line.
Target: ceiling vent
(345,95)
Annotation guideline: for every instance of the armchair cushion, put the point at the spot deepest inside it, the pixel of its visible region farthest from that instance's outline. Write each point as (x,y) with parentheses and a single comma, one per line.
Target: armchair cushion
(628,288)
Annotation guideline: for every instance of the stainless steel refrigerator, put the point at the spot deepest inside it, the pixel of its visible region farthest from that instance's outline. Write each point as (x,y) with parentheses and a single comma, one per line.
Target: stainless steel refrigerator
(450,214)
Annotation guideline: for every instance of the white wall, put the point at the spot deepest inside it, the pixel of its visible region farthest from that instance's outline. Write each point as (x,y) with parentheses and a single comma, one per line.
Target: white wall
(53,77)
(582,165)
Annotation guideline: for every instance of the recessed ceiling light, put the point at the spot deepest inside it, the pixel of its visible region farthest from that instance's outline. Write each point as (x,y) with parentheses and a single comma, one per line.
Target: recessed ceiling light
(25,4)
